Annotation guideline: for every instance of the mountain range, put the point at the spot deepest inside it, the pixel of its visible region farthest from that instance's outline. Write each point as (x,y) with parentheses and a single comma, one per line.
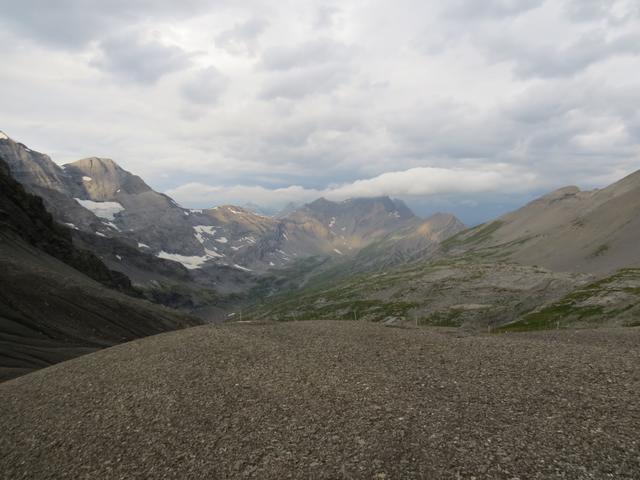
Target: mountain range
(89,250)
(226,247)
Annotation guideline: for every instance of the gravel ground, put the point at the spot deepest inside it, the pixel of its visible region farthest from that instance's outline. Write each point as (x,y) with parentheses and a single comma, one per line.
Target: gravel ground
(336,400)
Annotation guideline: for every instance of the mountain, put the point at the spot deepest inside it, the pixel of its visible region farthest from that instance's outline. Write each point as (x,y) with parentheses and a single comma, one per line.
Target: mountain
(326,227)
(567,230)
(96,196)
(57,301)
(255,208)
(569,258)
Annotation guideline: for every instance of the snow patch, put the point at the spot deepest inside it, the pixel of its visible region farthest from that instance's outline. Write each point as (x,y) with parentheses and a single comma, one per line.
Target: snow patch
(87,179)
(212,253)
(221,240)
(202,230)
(100,234)
(250,239)
(235,211)
(332,222)
(190,262)
(338,251)
(112,225)
(143,245)
(271,264)
(195,210)
(240,267)
(118,257)
(72,226)
(106,210)
(3,136)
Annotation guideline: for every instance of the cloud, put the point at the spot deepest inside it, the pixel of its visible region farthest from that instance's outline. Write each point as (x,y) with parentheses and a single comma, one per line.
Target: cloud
(314,53)
(309,68)
(320,95)
(205,87)
(490,8)
(302,83)
(613,11)
(325,16)
(550,60)
(415,182)
(243,38)
(136,57)
(72,24)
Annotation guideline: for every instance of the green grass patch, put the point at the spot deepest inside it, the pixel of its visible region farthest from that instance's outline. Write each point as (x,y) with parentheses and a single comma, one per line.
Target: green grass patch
(450,318)
(554,316)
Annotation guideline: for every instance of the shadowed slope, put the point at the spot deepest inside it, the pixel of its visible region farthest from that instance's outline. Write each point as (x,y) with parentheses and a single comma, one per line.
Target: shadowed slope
(54,300)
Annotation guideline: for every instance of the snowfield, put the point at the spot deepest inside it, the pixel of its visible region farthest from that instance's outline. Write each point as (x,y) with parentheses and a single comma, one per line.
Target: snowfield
(202,230)
(189,262)
(106,210)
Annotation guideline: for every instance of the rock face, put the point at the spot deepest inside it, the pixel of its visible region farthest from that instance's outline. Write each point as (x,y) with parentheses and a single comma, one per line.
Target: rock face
(54,300)
(96,196)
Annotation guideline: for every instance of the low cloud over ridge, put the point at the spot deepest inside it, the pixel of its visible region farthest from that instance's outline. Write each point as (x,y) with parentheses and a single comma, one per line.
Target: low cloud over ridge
(416,182)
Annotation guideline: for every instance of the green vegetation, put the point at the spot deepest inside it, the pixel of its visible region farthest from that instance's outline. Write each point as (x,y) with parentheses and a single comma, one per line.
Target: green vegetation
(554,316)
(450,318)
(581,305)
(474,235)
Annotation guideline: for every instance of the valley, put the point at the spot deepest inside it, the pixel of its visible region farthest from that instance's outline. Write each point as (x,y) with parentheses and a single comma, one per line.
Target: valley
(333,240)
(346,339)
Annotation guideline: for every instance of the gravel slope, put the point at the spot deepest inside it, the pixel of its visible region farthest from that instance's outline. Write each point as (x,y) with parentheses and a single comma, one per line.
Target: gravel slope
(332,400)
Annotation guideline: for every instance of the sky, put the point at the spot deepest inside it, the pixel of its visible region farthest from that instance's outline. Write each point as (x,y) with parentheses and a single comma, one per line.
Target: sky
(466,106)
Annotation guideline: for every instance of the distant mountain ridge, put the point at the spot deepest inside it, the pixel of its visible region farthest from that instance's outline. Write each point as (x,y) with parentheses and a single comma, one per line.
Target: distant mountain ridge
(97,196)
(569,258)
(566,230)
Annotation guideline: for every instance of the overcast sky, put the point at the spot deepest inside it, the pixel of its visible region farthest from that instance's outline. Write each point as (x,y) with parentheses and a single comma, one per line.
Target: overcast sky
(465,105)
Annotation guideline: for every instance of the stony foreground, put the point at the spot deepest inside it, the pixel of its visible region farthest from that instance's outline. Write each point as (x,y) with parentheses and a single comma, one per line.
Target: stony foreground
(332,400)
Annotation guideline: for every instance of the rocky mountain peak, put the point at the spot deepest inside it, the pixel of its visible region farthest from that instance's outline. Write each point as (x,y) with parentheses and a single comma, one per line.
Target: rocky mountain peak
(561,193)
(103,179)
(360,206)
(31,168)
